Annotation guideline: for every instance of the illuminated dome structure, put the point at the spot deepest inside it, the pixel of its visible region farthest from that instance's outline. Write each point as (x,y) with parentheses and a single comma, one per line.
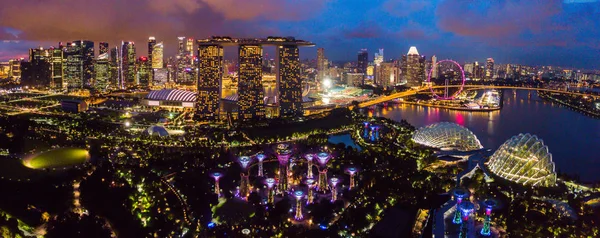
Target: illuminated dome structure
(170,98)
(447,136)
(524,159)
(156,131)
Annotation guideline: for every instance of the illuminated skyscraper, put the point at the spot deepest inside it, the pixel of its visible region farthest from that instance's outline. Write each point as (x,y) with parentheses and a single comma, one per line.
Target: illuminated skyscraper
(434,73)
(363,63)
(189,46)
(73,70)
(289,81)
(151,44)
(157,56)
(210,66)
(15,69)
(57,67)
(413,68)
(181,45)
(143,72)
(114,66)
(102,68)
(85,51)
(378,59)
(251,95)
(128,61)
(321,64)
(489,69)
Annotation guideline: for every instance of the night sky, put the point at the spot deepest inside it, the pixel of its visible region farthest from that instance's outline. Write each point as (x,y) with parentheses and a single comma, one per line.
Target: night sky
(534,32)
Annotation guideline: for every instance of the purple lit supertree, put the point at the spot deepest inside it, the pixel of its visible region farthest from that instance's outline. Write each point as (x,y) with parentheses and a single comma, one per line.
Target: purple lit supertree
(244,181)
(459,194)
(366,131)
(260,157)
(323,158)
(489,205)
(309,158)
(466,209)
(298,194)
(271,192)
(311,193)
(283,152)
(334,182)
(351,171)
(375,133)
(216,176)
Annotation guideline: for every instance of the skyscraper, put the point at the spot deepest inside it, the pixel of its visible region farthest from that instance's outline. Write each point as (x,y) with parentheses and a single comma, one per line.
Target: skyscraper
(115,64)
(489,69)
(102,67)
(143,71)
(73,71)
(435,70)
(289,81)
(321,64)
(151,44)
(189,46)
(363,63)
(128,61)
(378,59)
(181,45)
(157,56)
(210,65)
(251,95)
(86,53)
(57,67)
(413,68)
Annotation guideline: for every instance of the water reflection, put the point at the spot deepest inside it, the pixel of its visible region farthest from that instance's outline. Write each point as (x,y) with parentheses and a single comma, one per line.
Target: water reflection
(571,137)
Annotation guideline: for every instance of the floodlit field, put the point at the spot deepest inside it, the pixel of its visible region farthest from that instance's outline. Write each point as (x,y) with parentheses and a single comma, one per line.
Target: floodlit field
(58,158)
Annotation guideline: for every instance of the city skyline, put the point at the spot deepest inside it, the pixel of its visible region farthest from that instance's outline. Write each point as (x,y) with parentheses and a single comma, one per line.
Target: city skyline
(557,33)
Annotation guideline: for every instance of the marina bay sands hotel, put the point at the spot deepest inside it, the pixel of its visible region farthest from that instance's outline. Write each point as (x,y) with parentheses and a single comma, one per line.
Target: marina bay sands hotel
(251,100)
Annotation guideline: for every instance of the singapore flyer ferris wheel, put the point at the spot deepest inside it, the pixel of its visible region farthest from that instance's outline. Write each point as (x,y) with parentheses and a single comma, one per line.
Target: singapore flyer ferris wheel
(446,95)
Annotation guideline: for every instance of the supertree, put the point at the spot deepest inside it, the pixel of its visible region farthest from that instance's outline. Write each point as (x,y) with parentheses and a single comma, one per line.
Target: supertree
(311,193)
(244,181)
(323,158)
(309,158)
(271,192)
(216,176)
(374,133)
(298,194)
(466,208)
(334,181)
(351,171)
(366,131)
(489,205)
(283,153)
(260,157)
(459,194)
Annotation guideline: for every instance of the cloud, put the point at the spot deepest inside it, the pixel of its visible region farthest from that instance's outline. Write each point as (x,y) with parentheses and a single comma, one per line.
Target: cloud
(135,20)
(404,8)
(489,19)
(365,30)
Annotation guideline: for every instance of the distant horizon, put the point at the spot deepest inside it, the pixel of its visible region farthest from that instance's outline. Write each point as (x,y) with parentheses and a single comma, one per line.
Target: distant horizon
(542,33)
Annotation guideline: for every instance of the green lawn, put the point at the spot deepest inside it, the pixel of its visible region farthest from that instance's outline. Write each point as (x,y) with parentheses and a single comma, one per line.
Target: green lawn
(57,158)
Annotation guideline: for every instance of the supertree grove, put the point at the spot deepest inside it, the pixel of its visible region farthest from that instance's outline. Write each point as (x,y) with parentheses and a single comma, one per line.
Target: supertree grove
(216,176)
(298,194)
(311,193)
(352,171)
(244,189)
(271,192)
(309,158)
(334,182)
(260,157)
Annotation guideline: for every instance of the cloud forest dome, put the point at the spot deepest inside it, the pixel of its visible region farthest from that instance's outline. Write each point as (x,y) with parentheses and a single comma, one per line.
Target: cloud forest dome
(524,159)
(447,136)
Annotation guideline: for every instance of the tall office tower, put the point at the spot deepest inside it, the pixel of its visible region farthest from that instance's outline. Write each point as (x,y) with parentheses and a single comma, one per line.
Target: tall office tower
(38,54)
(127,78)
(14,71)
(434,73)
(86,52)
(363,63)
(289,81)
(489,69)
(102,69)
(210,72)
(413,68)
(157,56)
(321,62)
(36,73)
(189,46)
(151,44)
(73,70)
(250,89)
(386,74)
(103,48)
(378,59)
(143,71)
(114,66)
(181,45)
